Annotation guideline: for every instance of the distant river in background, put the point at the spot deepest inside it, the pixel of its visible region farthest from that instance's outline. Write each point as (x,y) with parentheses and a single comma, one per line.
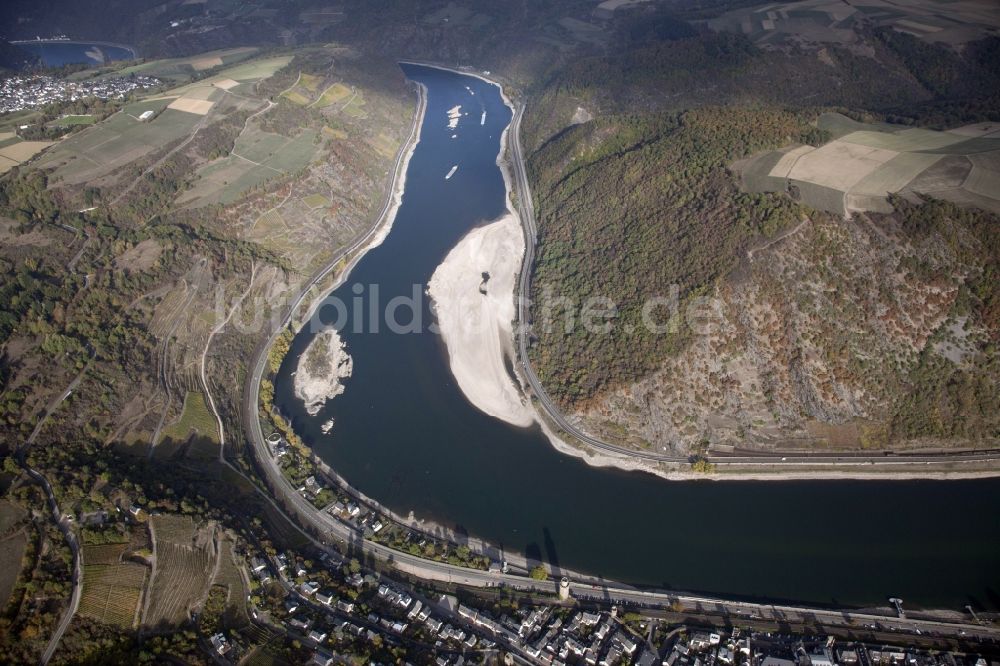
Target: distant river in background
(59,53)
(405,435)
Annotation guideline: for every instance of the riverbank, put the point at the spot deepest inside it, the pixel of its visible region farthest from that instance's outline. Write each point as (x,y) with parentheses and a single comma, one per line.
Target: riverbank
(472,292)
(378,232)
(773,469)
(404,433)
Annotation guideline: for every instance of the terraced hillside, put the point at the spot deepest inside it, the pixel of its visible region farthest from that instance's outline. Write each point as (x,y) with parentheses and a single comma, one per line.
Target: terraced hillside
(131,274)
(112,586)
(185,562)
(226,196)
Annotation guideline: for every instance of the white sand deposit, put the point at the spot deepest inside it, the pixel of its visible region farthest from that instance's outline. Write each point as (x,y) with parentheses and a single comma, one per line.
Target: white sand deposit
(322,366)
(476,327)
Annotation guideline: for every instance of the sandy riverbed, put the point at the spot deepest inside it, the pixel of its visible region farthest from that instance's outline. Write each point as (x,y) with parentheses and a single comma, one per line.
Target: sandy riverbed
(477,326)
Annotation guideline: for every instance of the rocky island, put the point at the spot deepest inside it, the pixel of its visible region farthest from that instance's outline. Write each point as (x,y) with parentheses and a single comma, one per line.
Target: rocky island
(321,368)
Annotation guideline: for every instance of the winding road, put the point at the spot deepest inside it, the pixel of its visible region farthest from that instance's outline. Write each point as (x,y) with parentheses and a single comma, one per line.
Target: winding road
(785,460)
(333,531)
(63,522)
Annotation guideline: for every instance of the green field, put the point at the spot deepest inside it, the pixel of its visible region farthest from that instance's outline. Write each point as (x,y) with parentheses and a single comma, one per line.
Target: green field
(338,92)
(258,157)
(354,108)
(316,201)
(195,419)
(119,140)
(179,70)
(68,121)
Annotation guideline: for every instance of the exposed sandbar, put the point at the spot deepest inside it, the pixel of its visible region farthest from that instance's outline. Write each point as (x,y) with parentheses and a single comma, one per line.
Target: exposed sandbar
(473,296)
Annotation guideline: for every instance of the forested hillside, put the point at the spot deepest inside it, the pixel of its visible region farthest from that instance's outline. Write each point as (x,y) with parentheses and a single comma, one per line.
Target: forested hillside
(631,205)
(640,199)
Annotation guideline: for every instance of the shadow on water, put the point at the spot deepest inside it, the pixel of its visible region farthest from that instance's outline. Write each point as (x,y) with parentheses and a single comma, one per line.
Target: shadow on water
(533,554)
(550,552)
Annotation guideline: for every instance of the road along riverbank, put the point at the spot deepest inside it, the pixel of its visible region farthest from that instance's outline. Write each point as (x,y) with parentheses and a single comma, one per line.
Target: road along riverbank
(567,437)
(405,434)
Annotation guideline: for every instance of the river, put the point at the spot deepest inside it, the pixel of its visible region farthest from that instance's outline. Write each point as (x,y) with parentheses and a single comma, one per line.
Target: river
(57,53)
(405,435)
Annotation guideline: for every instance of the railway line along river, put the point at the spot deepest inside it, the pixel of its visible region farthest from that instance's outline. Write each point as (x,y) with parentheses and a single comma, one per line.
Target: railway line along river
(404,434)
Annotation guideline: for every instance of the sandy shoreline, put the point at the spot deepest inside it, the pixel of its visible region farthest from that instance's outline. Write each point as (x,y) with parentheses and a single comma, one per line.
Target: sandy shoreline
(462,350)
(477,328)
(475,315)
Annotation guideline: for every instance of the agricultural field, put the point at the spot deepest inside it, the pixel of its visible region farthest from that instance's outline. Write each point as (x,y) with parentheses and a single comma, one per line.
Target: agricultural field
(355,107)
(255,70)
(257,157)
(295,97)
(230,576)
(315,201)
(69,121)
(385,145)
(199,107)
(311,82)
(335,94)
(813,22)
(98,151)
(304,90)
(9,122)
(865,163)
(180,70)
(14,151)
(112,588)
(121,139)
(185,561)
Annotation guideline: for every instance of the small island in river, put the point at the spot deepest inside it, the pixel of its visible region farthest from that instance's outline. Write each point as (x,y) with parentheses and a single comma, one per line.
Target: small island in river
(321,368)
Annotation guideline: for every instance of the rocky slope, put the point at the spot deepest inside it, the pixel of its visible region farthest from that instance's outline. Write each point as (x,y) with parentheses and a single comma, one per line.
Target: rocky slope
(819,340)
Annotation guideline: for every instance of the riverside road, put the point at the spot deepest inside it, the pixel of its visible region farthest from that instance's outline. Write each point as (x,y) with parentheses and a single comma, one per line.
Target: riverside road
(381,462)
